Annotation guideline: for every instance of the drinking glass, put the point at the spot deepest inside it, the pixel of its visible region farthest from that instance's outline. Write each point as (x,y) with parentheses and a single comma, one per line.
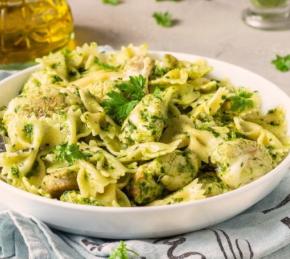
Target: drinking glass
(268,14)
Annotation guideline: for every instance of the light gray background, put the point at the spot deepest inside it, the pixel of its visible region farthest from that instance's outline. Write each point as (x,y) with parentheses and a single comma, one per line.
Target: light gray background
(209,28)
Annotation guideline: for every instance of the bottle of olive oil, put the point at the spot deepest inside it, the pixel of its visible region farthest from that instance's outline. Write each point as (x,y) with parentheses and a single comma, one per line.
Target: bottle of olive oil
(33,28)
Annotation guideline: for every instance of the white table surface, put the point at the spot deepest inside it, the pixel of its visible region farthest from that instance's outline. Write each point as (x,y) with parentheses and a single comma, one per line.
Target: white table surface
(210,28)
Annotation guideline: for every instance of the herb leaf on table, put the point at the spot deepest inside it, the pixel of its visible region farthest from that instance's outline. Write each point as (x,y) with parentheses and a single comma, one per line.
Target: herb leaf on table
(111,2)
(282,63)
(163,19)
(122,252)
(168,0)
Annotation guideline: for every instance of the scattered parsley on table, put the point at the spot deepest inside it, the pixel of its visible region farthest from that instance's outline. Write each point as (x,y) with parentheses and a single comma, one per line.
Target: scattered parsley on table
(122,252)
(282,63)
(111,2)
(164,19)
(168,0)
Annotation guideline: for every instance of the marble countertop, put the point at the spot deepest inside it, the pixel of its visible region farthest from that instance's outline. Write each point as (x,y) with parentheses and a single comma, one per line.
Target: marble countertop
(210,28)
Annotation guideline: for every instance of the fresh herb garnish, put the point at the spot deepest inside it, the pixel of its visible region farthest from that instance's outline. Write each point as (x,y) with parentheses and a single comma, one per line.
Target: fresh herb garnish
(105,66)
(15,171)
(241,101)
(121,103)
(69,153)
(168,0)
(28,130)
(111,2)
(163,19)
(282,63)
(121,252)
(56,79)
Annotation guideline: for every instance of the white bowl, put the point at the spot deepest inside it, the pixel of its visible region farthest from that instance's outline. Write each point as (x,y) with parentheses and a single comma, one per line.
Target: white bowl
(143,222)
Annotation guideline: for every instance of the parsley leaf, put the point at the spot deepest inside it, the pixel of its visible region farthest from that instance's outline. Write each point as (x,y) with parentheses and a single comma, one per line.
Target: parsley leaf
(69,153)
(28,130)
(56,79)
(282,63)
(163,19)
(134,88)
(111,2)
(241,101)
(121,103)
(121,252)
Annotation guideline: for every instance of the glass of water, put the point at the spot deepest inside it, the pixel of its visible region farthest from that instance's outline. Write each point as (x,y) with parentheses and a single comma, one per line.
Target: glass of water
(268,14)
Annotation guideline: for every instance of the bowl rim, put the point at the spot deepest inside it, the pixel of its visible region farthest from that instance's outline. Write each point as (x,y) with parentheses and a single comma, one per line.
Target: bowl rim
(89,208)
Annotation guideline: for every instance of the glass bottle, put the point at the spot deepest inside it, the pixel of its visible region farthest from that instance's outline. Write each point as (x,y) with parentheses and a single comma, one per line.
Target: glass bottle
(268,14)
(32,28)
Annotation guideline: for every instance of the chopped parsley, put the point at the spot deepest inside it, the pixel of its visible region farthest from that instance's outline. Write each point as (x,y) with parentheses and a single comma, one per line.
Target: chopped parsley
(56,79)
(111,2)
(69,153)
(15,171)
(282,63)
(28,130)
(75,197)
(121,252)
(105,66)
(121,103)
(241,101)
(163,19)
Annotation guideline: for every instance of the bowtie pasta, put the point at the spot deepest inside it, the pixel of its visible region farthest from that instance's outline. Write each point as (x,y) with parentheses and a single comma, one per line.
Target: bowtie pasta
(124,128)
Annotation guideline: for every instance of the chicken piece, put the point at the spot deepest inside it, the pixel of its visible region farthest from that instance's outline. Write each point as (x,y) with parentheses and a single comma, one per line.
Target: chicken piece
(144,187)
(166,173)
(241,161)
(139,65)
(178,169)
(146,121)
(59,182)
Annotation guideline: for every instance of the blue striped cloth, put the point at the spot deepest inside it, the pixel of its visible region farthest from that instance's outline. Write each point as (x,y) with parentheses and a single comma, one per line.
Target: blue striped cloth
(263,231)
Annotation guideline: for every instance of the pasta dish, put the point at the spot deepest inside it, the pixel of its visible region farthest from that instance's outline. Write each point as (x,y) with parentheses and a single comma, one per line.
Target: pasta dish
(125,128)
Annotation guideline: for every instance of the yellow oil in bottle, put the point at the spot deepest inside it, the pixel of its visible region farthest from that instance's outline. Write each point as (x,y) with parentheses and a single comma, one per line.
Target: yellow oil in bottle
(33,28)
